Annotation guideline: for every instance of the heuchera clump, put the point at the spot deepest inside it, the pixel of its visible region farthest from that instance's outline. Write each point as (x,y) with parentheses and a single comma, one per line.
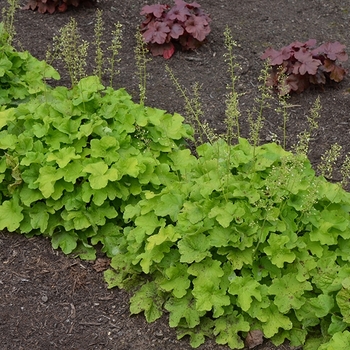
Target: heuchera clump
(51,6)
(304,64)
(184,23)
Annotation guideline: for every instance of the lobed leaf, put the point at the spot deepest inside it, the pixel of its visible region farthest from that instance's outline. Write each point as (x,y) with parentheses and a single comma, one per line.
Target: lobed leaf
(176,280)
(149,300)
(227,330)
(183,310)
(10,214)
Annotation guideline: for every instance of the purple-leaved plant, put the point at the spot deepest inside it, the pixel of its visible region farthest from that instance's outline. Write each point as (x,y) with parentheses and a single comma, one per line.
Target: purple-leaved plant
(306,63)
(164,26)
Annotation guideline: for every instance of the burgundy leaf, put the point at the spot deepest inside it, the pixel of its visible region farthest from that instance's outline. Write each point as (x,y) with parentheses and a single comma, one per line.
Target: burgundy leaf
(288,66)
(310,43)
(338,74)
(179,12)
(293,81)
(295,67)
(49,7)
(318,79)
(272,79)
(156,32)
(308,64)
(156,10)
(197,26)
(168,50)
(333,51)
(183,3)
(298,45)
(176,30)
(63,7)
(188,42)
(298,83)
(276,57)
(165,50)
(328,65)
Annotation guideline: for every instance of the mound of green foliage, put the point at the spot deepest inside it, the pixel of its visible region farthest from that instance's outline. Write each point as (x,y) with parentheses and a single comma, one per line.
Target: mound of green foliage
(233,240)
(247,239)
(21,74)
(71,159)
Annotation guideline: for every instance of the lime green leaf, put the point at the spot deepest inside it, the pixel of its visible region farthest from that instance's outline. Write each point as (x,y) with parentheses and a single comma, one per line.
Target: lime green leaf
(277,251)
(85,251)
(73,171)
(226,213)
(6,116)
(105,147)
(96,169)
(339,341)
(48,176)
(326,277)
(343,300)
(194,248)
(296,336)
(337,325)
(39,216)
(238,258)
(206,286)
(305,264)
(322,305)
(289,292)
(148,299)
(169,204)
(76,219)
(152,254)
(176,280)
(109,236)
(130,166)
(165,234)
(64,156)
(10,215)
(66,240)
(194,212)
(227,329)
(197,334)
(314,309)
(7,141)
(245,288)
(5,65)
(183,309)
(314,343)
(208,270)
(98,214)
(329,225)
(274,320)
(100,174)
(113,279)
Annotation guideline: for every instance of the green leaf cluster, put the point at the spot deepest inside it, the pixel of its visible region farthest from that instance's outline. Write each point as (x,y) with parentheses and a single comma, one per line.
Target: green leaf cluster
(246,238)
(21,74)
(234,239)
(70,160)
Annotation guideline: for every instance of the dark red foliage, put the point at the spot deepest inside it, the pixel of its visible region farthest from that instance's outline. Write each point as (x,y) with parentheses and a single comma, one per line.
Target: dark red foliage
(304,64)
(184,24)
(51,6)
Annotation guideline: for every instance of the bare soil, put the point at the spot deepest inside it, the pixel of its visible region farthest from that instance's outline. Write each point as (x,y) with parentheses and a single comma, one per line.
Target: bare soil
(50,301)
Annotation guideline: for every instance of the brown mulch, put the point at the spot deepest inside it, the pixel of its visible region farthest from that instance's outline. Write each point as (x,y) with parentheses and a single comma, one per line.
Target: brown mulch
(50,301)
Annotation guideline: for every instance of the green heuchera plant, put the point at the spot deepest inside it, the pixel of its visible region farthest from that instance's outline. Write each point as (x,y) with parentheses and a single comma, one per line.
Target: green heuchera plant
(21,74)
(247,238)
(71,159)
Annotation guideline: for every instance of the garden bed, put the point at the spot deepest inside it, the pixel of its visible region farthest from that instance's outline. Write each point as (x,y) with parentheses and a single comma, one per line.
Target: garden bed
(49,301)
